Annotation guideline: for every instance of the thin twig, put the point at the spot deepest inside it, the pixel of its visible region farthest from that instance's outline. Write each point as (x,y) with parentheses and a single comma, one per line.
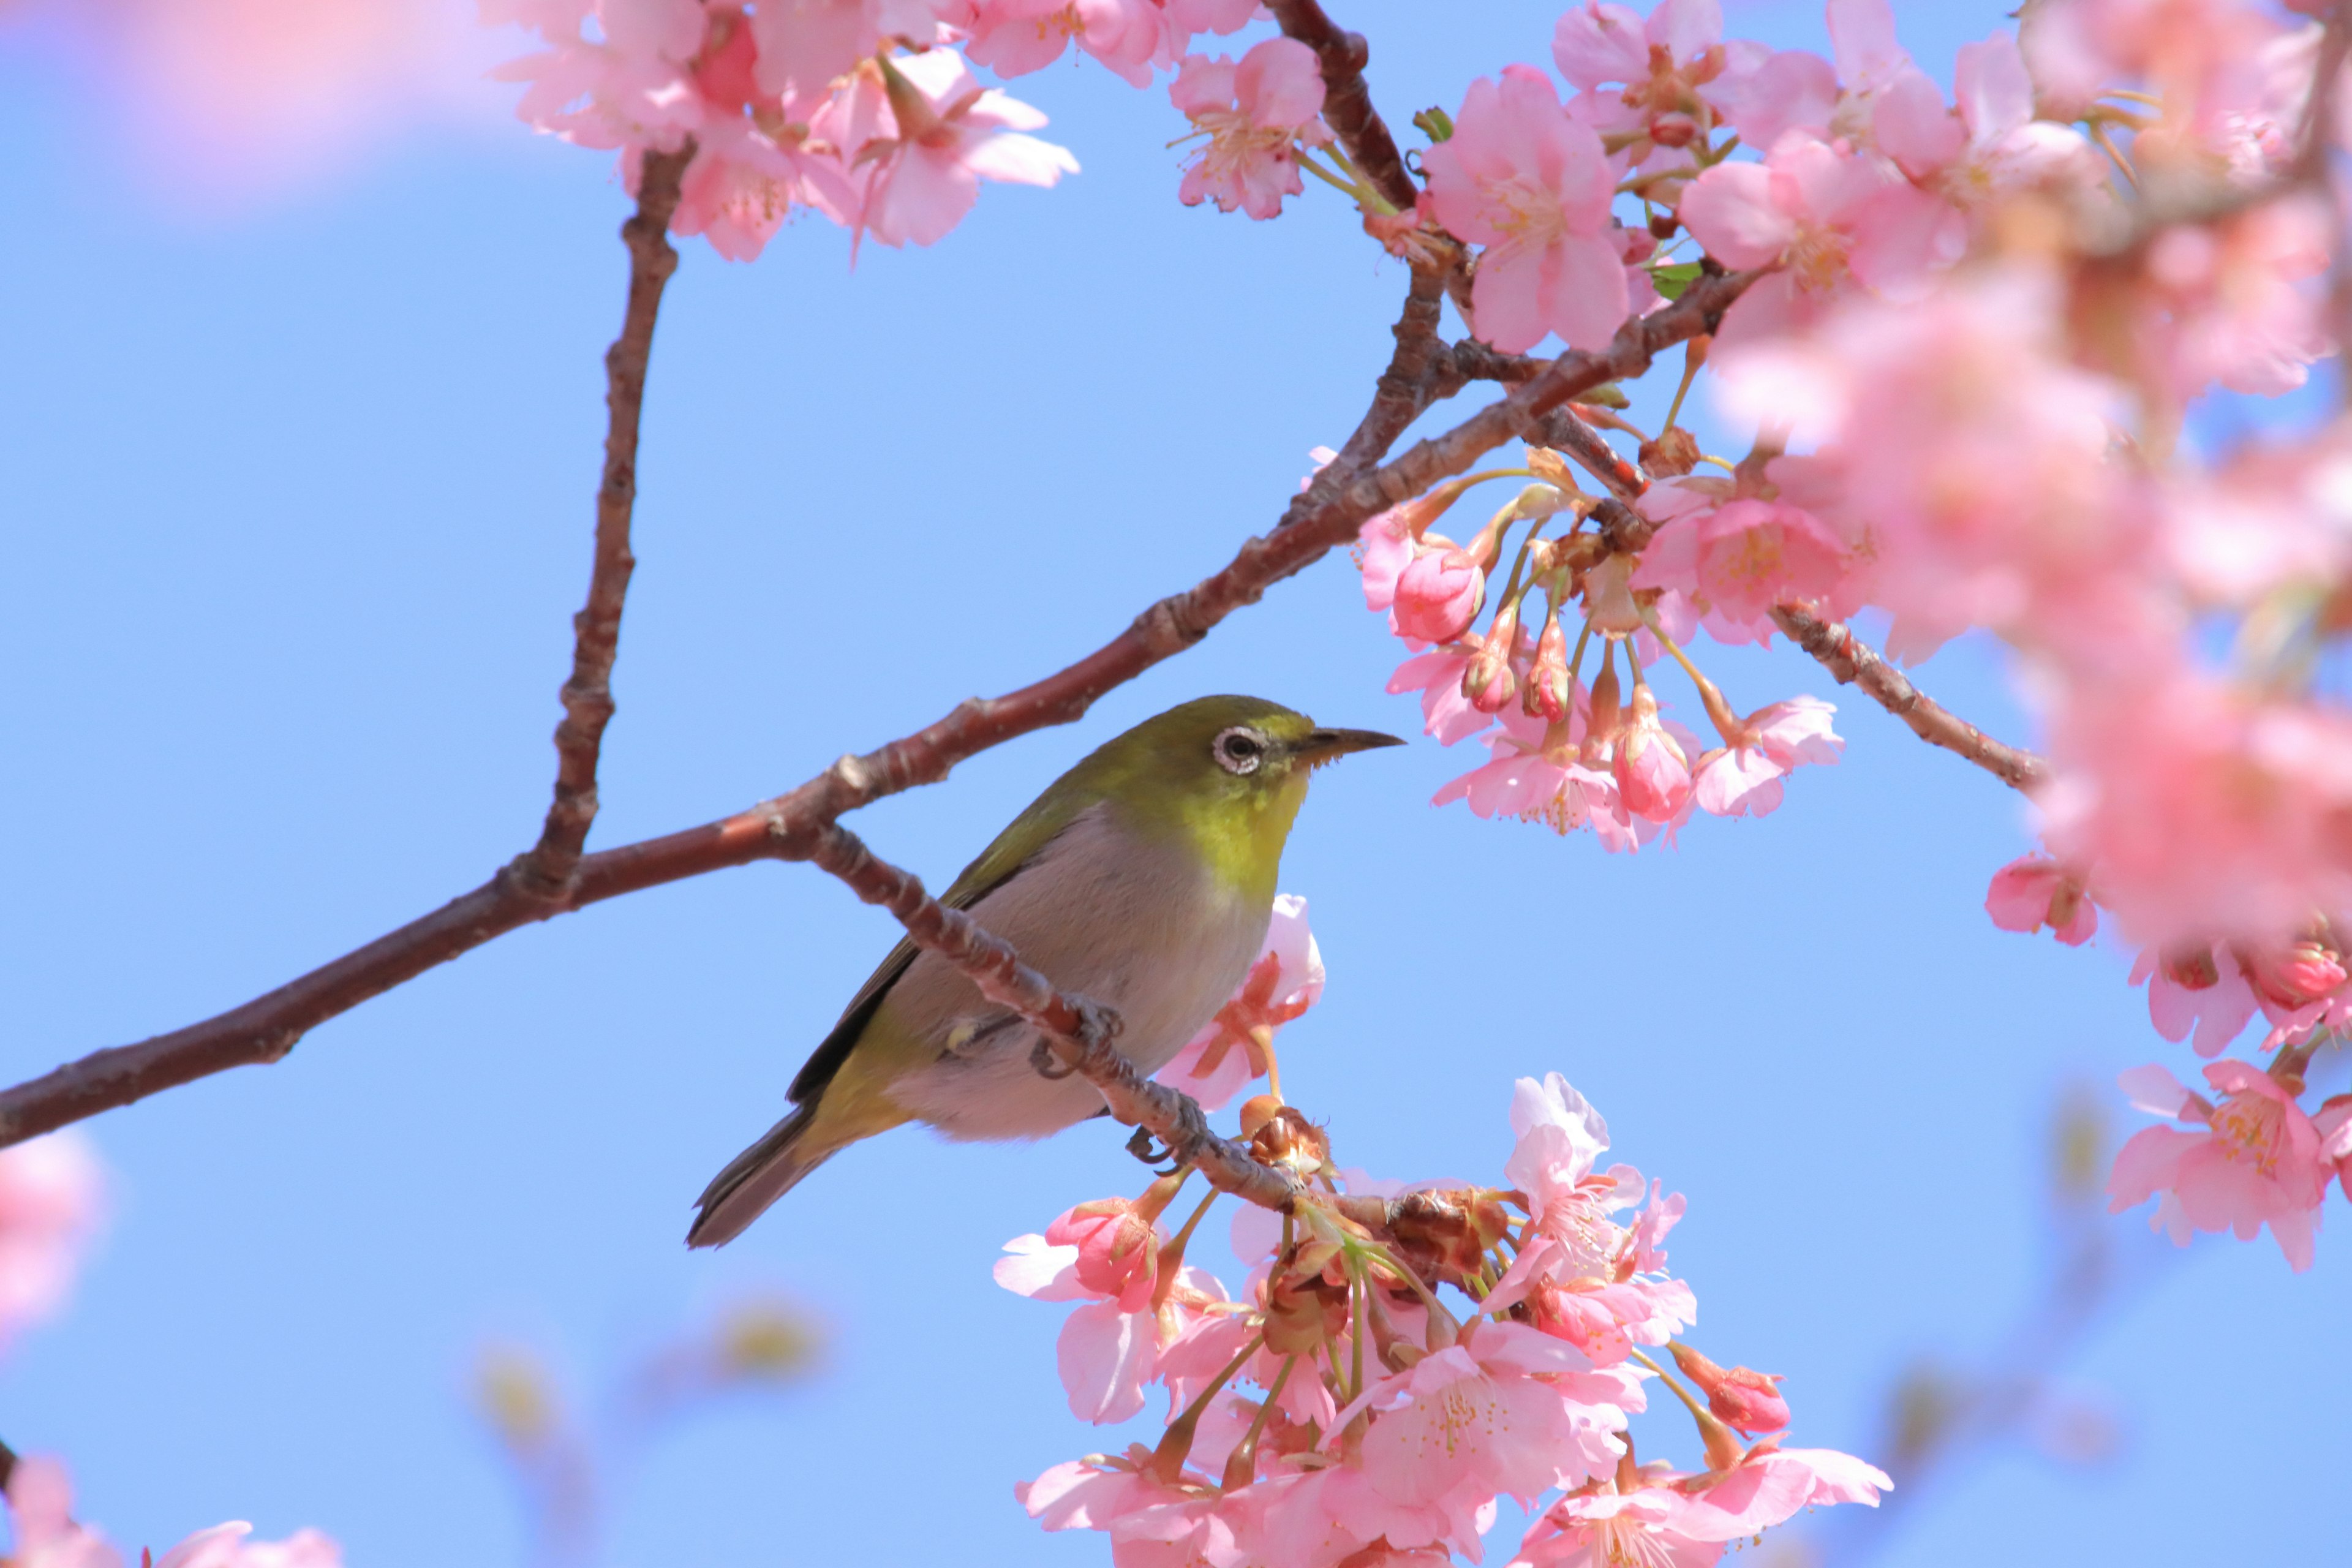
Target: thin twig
(1347,101)
(1852,661)
(1326,517)
(1080,1033)
(548,868)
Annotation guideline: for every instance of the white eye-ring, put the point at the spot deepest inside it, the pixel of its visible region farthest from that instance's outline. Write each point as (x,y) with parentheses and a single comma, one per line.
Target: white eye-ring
(1238,750)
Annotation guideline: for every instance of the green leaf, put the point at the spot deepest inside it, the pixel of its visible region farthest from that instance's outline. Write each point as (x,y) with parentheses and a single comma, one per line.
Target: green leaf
(1435,124)
(1673,279)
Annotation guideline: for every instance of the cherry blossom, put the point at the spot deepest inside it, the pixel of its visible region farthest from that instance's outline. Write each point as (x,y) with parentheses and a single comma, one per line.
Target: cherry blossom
(41,1512)
(927,133)
(1532,186)
(1236,1045)
(49,1203)
(2033,891)
(1830,217)
(2253,1159)
(1253,113)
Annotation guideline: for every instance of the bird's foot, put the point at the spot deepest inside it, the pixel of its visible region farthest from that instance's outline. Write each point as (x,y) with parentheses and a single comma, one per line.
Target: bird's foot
(1146,1148)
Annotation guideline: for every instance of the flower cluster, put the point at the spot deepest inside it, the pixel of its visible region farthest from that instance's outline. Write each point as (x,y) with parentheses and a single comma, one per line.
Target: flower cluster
(1600,755)
(1341,1408)
(1980,334)
(49,1202)
(867,114)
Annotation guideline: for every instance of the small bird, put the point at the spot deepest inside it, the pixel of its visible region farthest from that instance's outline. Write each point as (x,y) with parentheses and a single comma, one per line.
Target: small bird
(1144,878)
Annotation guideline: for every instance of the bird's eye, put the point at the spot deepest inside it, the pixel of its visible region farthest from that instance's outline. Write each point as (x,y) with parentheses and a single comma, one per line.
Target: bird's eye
(1239,750)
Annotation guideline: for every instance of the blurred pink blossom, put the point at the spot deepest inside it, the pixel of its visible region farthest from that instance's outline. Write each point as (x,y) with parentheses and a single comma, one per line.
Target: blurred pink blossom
(51,1190)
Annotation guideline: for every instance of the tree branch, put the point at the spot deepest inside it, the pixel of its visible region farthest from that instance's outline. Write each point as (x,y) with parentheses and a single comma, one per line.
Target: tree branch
(1078,1032)
(1347,101)
(1852,661)
(1325,516)
(548,868)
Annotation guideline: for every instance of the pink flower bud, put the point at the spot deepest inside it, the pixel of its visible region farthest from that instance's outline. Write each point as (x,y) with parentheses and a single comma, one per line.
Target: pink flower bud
(1744,1398)
(1490,683)
(2294,977)
(1117,1249)
(1546,694)
(1439,593)
(1652,776)
(1607,717)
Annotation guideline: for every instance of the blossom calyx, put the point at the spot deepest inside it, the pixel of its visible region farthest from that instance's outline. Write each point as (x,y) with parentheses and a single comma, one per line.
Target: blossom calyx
(1448,1233)
(1287,1139)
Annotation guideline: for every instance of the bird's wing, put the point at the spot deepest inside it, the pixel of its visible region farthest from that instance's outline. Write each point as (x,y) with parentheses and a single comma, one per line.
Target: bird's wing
(1016,849)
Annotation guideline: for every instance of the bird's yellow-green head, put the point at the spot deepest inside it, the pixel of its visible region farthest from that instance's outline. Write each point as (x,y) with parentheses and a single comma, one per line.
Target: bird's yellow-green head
(1224,774)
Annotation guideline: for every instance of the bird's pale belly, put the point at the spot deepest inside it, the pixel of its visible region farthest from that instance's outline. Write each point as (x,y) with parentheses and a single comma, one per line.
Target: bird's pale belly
(1140,926)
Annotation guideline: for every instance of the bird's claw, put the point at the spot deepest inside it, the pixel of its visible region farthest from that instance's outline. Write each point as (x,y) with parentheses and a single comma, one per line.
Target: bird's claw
(1042,1060)
(1146,1149)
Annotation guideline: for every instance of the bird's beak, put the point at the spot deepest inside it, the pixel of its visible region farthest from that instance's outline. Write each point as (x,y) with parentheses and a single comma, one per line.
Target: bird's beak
(1322,746)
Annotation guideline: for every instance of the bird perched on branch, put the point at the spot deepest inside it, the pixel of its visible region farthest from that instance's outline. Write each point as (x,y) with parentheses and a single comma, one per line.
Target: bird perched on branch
(1144,878)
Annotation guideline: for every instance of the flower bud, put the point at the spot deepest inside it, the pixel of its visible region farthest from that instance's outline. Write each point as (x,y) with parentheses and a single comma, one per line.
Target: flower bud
(1674,130)
(1746,1399)
(1489,682)
(1546,693)
(1602,729)
(1440,593)
(1652,776)
(2294,977)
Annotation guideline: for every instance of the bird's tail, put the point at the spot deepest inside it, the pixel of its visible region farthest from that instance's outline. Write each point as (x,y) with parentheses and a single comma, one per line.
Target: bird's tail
(756,1178)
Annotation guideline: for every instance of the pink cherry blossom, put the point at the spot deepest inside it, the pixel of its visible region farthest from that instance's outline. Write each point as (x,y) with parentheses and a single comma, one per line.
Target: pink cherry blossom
(2033,891)
(1437,675)
(2201,988)
(1480,1417)
(805,45)
(2201,809)
(1384,548)
(1521,178)
(1991,144)
(1603,1528)
(49,1202)
(1738,560)
(926,134)
(1831,215)
(1253,113)
(1014,37)
(40,1511)
(1970,459)
(1675,74)
(1769,1485)
(1283,981)
(2253,1159)
(1652,769)
(2237,301)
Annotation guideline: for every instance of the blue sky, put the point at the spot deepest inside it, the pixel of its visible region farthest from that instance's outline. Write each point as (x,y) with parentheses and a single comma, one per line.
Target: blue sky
(298,513)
